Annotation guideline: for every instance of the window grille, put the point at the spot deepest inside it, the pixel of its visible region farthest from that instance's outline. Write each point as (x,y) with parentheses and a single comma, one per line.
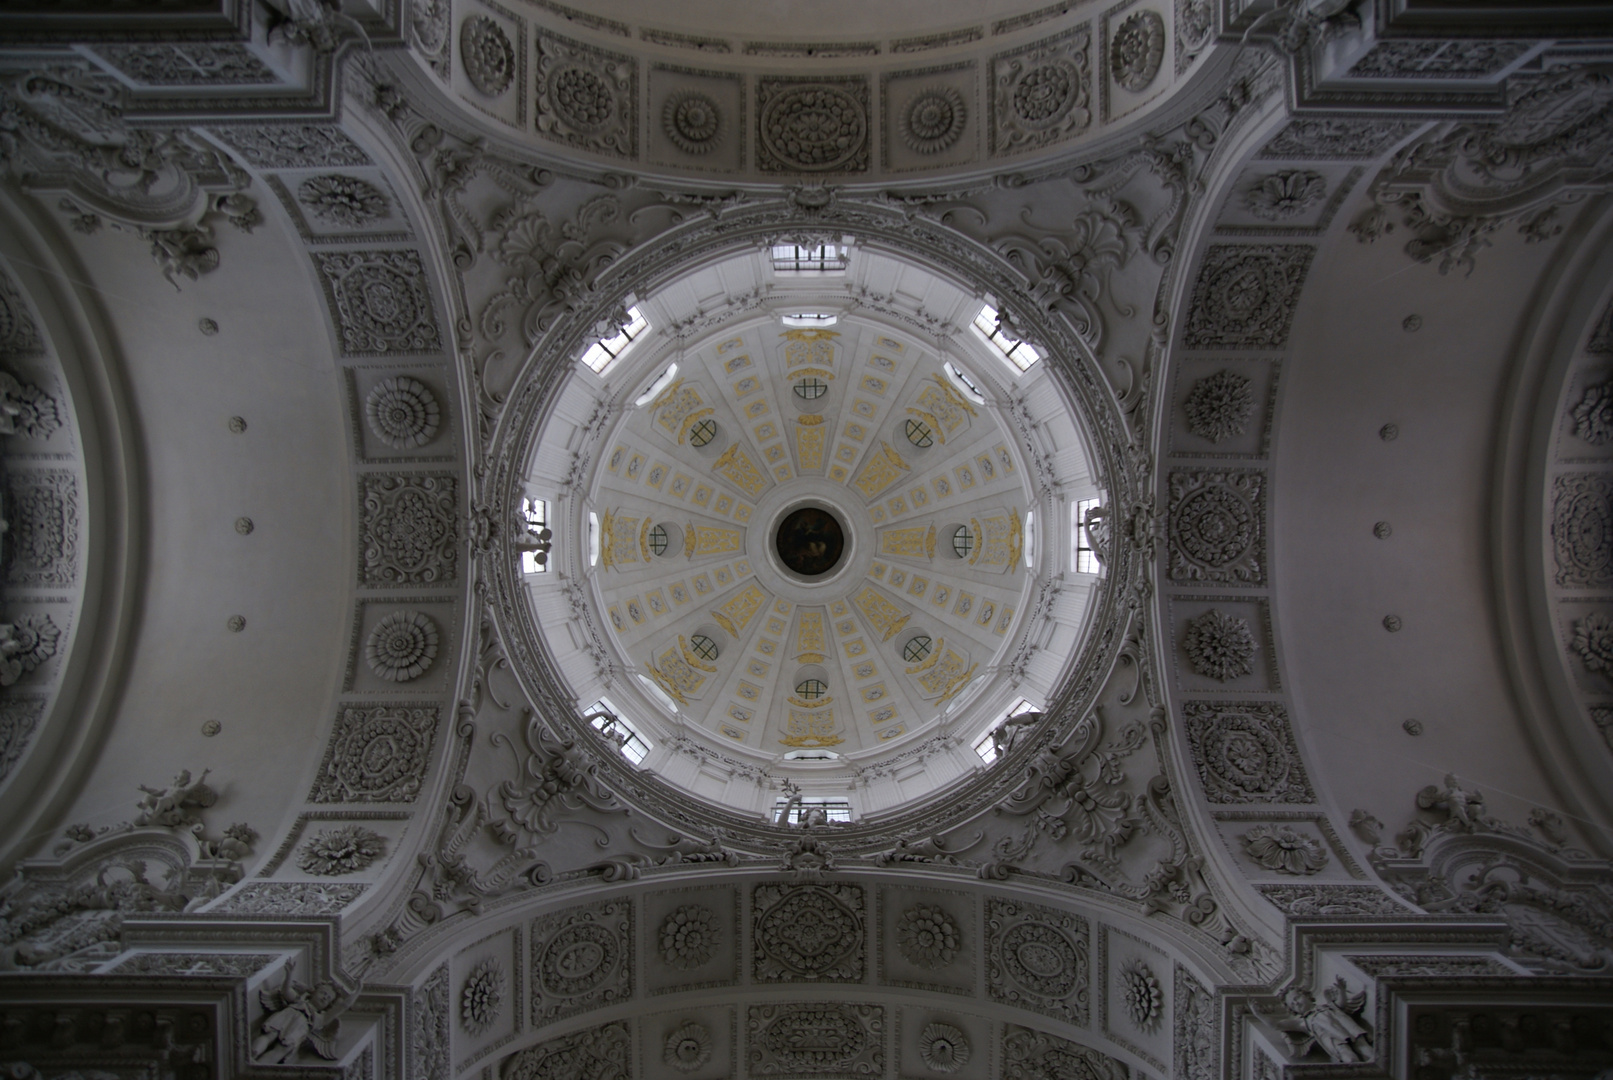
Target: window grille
(702,432)
(963,542)
(802,258)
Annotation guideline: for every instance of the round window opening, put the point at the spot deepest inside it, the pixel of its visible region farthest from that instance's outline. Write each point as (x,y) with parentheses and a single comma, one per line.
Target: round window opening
(963,542)
(917,648)
(810,389)
(811,689)
(658,540)
(703,647)
(702,433)
(919,434)
(810,541)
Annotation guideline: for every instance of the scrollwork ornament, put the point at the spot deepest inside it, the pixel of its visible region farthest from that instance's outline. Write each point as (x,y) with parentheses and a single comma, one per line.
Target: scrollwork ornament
(587,97)
(1216,526)
(403,412)
(692,122)
(488,57)
(943,1048)
(402,646)
(481,999)
(1246,753)
(934,120)
(1041,94)
(688,1048)
(1138,48)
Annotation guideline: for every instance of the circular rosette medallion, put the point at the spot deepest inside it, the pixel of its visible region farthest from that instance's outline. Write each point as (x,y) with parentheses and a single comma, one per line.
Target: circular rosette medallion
(1046,94)
(809,932)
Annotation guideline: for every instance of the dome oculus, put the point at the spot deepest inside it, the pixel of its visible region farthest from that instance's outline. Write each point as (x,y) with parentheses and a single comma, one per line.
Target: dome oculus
(810,541)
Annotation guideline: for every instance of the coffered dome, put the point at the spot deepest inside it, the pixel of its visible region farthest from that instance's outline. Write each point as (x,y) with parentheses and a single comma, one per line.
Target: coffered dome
(811,532)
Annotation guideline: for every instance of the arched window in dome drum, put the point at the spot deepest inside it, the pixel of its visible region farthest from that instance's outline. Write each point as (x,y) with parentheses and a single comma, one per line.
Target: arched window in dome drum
(810,388)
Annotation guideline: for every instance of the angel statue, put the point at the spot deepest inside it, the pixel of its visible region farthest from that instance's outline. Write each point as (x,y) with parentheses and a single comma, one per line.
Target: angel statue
(298,1015)
(1334,1023)
(177,804)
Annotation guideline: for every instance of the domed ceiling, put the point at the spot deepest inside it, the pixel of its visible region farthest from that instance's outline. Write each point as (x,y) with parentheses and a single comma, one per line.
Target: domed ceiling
(811,533)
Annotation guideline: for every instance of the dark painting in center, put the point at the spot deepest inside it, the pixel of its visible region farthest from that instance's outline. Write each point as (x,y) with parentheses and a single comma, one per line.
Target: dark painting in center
(810,541)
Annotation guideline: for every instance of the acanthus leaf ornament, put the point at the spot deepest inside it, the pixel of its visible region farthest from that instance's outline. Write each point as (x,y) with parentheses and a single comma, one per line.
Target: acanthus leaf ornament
(1456,187)
(555,267)
(481,999)
(1284,195)
(1284,849)
(1069,272)
(1219,406)
(1220,646)
(347,849)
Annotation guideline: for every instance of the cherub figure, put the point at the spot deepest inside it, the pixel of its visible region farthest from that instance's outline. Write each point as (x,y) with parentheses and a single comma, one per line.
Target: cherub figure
(298,1015)
(175,805)
(1465,807)
(1334,1023)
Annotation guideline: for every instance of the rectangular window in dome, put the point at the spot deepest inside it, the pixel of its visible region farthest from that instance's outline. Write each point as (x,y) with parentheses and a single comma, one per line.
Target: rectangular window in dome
(604,718)
(809,258)
(601,353)
(836,809)
(1083,560)
(1021,355)
(991,745)
(535,512)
